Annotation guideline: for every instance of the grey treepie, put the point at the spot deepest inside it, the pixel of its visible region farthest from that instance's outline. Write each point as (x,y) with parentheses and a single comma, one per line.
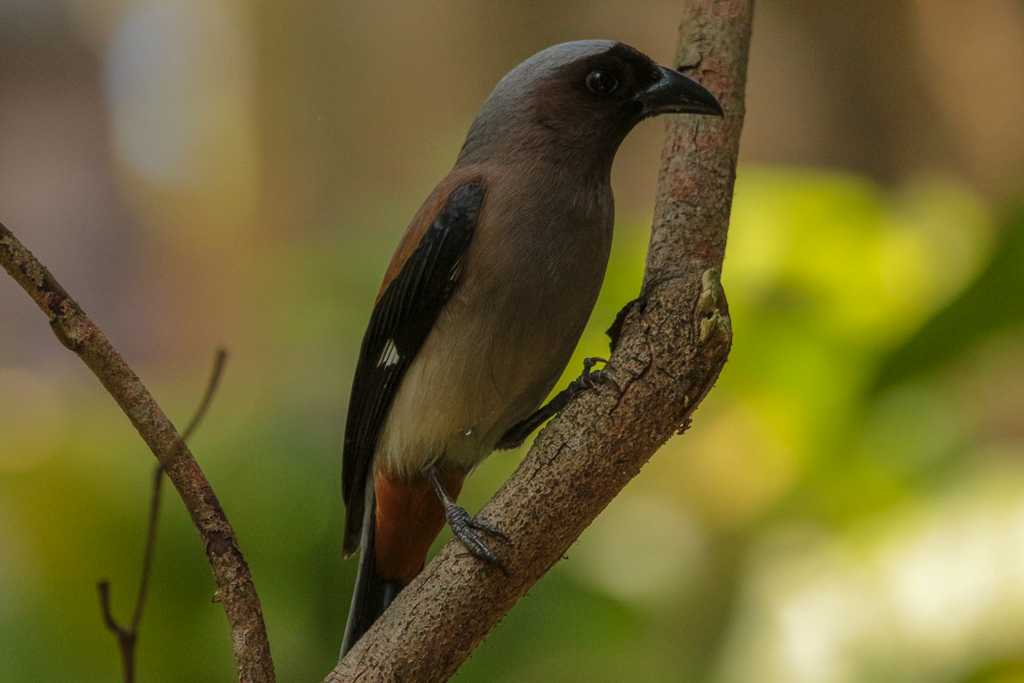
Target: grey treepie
(484,301)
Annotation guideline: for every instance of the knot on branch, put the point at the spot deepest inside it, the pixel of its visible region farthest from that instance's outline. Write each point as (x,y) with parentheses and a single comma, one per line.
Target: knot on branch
(711,317)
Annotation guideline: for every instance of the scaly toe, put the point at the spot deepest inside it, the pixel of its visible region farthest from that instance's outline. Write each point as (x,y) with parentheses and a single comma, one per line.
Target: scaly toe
(489,529)
(466,530)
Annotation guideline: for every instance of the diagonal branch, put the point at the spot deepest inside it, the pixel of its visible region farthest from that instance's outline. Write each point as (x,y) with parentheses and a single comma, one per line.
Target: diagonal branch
(77,332)
(127,636)
(671,345)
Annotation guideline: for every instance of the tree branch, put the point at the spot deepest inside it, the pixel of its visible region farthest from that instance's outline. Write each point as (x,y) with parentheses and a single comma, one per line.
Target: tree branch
(74,329)
(671,345)
(127,637)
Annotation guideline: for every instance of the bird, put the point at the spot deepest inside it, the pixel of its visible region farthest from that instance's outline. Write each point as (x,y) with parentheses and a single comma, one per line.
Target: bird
(484,301)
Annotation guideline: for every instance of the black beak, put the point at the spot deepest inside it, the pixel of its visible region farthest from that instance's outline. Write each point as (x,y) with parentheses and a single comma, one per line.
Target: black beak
(674,93)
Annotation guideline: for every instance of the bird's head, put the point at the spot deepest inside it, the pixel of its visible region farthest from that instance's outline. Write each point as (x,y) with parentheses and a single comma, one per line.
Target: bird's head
(580,98)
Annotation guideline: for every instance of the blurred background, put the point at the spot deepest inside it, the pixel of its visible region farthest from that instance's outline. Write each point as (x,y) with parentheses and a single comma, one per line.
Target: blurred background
(849,504)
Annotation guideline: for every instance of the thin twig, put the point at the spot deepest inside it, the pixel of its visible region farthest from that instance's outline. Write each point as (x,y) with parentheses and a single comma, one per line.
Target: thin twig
(127,637)
(147,557)
(219,361)
(151,545)
(236,592)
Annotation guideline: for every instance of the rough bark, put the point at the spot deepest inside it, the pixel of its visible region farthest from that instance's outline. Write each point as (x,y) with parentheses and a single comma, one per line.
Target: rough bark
(74,329)
(671,346)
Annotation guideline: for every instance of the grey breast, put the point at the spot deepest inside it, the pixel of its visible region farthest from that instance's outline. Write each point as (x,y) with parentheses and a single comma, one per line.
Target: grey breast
(531,277)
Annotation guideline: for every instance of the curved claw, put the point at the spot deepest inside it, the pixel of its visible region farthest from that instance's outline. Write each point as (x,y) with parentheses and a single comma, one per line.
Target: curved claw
(467,531)
(591,378)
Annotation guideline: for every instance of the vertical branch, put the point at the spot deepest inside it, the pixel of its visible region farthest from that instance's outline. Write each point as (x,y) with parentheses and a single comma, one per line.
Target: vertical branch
(127,637)
(78,333)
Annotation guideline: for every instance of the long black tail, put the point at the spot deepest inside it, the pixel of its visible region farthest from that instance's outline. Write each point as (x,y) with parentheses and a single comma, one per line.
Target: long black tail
(372,594)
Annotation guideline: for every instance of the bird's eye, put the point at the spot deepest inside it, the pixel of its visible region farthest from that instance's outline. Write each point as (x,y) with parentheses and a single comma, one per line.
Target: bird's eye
(601,82)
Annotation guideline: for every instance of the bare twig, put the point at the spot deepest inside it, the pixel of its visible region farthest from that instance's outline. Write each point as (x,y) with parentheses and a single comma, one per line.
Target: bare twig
(127,637)
(147,558)
(671,347)
(220,359)
(76,331)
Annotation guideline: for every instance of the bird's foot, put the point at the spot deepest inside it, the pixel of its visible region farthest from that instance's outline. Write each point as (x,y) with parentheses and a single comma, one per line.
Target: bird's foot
(591,377)
(470,532)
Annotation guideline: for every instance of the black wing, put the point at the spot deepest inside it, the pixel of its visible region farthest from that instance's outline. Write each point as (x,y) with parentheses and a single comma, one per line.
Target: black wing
(399,324)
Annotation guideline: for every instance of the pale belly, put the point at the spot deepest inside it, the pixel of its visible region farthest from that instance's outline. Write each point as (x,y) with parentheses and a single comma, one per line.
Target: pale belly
(493,356)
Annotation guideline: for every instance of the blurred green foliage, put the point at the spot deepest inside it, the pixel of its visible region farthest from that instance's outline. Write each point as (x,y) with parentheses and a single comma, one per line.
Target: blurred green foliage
(847,506)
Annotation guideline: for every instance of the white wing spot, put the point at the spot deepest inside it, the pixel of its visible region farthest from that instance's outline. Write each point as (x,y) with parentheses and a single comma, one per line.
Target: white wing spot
(389,355)
(456,272)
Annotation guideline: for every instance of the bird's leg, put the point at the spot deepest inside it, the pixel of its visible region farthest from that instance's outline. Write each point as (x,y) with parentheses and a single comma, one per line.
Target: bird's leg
(590,378)
(464,527)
